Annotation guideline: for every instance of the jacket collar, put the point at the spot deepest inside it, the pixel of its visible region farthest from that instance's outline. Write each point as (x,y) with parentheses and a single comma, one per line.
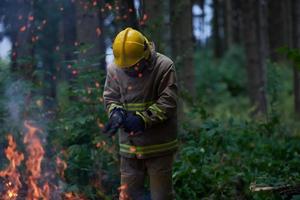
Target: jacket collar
(153,57)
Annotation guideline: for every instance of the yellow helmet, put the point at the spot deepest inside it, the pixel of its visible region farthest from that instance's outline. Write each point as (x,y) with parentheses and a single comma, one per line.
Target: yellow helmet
(129,47)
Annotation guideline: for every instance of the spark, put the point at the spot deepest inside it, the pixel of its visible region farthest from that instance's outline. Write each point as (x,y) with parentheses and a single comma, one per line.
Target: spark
(98,31)
(39,103)
(132,149)
(100,144)
(107,5)
(145,17)
(30,18)
(74,72)
(23,28)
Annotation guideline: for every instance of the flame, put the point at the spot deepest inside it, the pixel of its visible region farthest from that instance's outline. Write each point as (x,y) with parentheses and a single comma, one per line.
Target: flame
(97,84)
(101,144)
(61,166)
(33,164)
(13,183)
(123,192)
(73,196)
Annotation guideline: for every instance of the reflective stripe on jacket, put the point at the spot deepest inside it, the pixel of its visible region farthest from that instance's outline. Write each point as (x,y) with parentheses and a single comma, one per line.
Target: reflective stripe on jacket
(153,96)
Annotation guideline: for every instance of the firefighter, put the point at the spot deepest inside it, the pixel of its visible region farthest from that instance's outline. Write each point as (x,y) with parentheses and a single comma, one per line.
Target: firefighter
(140,96)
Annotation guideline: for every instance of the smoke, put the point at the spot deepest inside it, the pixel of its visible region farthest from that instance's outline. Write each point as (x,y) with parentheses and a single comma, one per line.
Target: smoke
(15,95)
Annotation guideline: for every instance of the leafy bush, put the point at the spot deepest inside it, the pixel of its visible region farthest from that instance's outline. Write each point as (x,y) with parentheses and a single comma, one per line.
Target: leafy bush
(220,160)
(91,157)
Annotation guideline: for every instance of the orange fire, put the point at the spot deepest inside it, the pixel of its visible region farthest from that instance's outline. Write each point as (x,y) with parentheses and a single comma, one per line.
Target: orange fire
(123,192)
(11,173)
(36,186)
(61,166)
(33,164)
(73,196)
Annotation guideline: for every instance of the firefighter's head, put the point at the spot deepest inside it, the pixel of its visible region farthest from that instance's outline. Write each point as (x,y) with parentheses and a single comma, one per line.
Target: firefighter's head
(130,47)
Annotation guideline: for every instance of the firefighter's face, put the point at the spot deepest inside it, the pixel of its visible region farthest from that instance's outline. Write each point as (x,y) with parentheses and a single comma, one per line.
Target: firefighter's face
(137,68)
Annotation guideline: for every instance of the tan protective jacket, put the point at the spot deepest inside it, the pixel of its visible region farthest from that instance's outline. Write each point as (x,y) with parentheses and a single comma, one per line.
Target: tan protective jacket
(151,95)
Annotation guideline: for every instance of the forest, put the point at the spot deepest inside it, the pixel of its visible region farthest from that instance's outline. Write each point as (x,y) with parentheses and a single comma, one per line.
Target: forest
(238,69)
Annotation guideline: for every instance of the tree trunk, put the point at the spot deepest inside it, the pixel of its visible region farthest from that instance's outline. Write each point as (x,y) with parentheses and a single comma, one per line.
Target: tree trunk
(228,16)
(48,50)
(276,27)
(89,33)
(156,24)
(237,33)
(255,36)
(217,28)
(130,11)
(126,15)
(296,42)
(182,43)
(19,29)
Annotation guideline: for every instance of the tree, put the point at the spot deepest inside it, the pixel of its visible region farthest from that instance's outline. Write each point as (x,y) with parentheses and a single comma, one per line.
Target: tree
(276,28)
(296,44)
(156,23)
(90,38)
(182,44)
(128,13)
(218,29)
(255,38)
(18,22)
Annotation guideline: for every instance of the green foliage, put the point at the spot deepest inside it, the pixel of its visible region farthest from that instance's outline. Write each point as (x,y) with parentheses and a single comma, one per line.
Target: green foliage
(91,157)
(221,85)
(220,159)
(292,54)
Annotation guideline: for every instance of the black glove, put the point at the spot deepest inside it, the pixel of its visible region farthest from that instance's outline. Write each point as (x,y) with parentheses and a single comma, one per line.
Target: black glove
(116,120)
(134,124)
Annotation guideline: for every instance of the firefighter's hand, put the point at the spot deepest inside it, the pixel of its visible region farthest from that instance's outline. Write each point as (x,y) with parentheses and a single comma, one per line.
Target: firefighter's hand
(134,124)
(116,121)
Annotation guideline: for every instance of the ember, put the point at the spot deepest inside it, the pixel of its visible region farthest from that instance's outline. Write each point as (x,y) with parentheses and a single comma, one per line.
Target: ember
(11,173)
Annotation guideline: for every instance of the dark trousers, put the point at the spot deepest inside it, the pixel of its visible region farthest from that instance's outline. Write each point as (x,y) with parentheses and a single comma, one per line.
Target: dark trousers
(134,172)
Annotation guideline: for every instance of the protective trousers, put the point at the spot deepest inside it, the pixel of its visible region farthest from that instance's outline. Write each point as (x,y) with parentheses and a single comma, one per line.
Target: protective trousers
(134,172)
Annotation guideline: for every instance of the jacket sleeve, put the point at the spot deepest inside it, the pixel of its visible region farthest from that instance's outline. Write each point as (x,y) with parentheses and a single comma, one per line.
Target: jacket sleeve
(111,93)
(166,104)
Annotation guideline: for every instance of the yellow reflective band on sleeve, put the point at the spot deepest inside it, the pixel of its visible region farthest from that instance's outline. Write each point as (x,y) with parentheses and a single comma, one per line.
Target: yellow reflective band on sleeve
(142,150)
(146,121)
(137,106)
(113,106)
(160,114)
